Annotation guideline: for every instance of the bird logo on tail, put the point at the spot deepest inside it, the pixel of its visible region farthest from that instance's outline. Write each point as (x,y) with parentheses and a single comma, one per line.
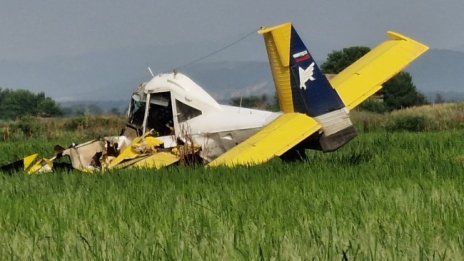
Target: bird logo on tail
(305,75)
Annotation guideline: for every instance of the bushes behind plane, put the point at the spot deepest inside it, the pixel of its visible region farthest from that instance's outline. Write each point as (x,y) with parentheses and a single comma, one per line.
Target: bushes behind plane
(439,117)
(21,103)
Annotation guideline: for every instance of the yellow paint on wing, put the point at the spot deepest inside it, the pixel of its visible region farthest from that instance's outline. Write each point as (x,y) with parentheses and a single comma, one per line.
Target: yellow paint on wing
(29,160)
(157,160)
(273,140)
(33,165)
(365,76)
(140,146)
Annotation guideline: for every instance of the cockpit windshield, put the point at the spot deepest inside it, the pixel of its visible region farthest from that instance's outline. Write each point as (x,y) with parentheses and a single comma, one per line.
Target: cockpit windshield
(159,117)
(137,110)
(160,114)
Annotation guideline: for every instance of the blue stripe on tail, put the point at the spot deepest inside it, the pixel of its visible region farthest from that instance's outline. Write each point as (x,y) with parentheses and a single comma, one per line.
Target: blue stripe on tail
(311,91)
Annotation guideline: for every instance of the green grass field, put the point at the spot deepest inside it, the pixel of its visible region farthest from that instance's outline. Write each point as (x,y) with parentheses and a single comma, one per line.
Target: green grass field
(383,196)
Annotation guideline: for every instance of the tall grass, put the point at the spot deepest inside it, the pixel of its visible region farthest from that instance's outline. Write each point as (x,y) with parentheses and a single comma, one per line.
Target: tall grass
(439,117)
(83,127)
(383,196)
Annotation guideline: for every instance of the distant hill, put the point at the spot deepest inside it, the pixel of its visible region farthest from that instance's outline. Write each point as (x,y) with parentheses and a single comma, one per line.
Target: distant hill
(73,108)
(222,80)
(113,75)
(233,79)
(440,71)
(445,95)
(459,48)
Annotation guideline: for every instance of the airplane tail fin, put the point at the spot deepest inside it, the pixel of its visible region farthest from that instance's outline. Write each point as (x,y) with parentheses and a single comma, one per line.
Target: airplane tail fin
(301,87)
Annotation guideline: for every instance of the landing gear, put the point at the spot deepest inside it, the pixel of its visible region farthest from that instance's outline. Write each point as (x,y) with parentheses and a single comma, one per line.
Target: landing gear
(295,154)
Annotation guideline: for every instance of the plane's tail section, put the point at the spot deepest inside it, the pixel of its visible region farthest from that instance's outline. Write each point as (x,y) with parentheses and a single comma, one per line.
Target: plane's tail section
(316,113)
(301,87)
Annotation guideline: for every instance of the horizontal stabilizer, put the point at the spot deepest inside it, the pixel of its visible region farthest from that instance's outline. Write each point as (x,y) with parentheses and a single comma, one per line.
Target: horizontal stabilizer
(366,76)
(273,140)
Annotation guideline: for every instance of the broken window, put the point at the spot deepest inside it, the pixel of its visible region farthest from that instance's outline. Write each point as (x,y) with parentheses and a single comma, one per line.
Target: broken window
(185,112)
(160,117)
(137,110)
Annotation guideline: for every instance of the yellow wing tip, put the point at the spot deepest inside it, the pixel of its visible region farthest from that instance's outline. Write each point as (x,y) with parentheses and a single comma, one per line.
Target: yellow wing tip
(264,29)
(397,36)
(27,161)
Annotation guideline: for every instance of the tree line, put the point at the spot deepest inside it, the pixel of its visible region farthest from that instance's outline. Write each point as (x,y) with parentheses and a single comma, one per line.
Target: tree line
(20,103)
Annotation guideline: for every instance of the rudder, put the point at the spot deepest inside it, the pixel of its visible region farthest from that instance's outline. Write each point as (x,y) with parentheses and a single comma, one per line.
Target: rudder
(301,86)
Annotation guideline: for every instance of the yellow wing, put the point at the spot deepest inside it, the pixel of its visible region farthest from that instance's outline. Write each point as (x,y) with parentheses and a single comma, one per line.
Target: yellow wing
(156,160)
(142,153)
(273,140)
(366,76)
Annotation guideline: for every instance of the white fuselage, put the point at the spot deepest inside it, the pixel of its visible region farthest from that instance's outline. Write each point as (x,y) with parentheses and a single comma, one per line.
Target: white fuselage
(177,108)
(219,132)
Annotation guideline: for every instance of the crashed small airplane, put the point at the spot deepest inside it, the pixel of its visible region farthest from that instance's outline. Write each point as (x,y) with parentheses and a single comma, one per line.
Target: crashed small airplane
(171,119)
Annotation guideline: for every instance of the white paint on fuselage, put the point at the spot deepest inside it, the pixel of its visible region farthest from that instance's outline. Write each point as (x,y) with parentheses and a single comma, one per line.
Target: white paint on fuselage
(218,128)
(218,132)
(230,118)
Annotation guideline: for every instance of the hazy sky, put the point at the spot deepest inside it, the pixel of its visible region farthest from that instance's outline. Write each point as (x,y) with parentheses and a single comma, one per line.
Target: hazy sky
(32,30)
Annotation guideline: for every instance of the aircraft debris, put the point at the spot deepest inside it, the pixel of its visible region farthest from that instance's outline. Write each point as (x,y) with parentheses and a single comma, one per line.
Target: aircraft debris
(173,120)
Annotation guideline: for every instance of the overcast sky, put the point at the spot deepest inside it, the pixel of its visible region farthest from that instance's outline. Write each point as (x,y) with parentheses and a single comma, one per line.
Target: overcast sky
(32,30)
